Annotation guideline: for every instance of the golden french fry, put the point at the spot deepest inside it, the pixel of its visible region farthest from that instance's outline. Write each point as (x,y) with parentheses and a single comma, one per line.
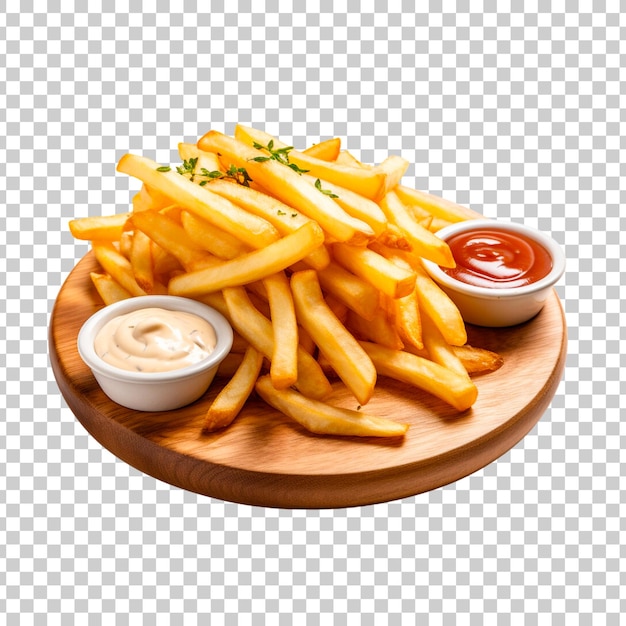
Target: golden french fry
(357,294)
(211,238)
(418,212)
(339,309)
(458,391)
(141,260)
(284,361)
(332,338)
(431,298)
(207,160)
(165,265)
(103,228)
(284,218)
(393,237)
(124,245)
(217,301)
(326,150)
(423,242)
(394,167)
(117,266)
(441,310)
(231,398)
(150,198)
(253,326)
(436,206)
(426,222)
(354,204)
(478,360)
(252,230)
(109,290)
(408,319)
(258,295)
(437,223)
(252,266)
(323,419)
(378,329)
(345,157)
(403,312)
(374,268)
(439,350)
(172,237)
(289,187)
(367,182)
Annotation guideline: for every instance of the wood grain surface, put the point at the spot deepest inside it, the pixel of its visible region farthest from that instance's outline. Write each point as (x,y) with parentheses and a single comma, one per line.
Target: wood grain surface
(265,459)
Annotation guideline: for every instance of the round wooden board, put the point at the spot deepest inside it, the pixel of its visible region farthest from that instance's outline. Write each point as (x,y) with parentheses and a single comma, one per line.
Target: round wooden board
(265,459)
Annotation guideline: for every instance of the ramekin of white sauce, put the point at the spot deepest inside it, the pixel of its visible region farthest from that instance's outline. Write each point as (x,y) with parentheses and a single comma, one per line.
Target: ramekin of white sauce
(155,353)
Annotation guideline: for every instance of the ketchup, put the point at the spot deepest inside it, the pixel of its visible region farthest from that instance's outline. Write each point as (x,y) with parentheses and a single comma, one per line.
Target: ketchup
(497,259)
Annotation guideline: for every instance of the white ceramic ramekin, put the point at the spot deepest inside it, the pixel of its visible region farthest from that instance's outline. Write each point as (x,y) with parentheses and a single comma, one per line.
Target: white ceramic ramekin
(484,306)
(155,391)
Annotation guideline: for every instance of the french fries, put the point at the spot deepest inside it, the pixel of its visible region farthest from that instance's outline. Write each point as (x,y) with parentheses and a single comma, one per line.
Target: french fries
(254,231)
(257,330)
(436,206)
(108,289)
(226,406)
(368,183)
(335,342)
(212,238)
(281,216)
(478,360)
(447,385)
(141,260)
(251,266)
(172,237)
(374,268)
(318,417)
(315,260)
(327,150)
(284,361)
(358,295)
(422,241)
(103,228)
(288,186)
(117,266)
(354,204)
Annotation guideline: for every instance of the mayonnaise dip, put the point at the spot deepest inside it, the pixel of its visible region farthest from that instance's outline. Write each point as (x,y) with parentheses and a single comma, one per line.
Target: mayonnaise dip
(155,340)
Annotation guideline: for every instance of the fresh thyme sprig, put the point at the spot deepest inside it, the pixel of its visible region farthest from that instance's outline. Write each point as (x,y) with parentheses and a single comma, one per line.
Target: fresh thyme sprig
(326,192)
(188,170)
(279,154)
(238,174)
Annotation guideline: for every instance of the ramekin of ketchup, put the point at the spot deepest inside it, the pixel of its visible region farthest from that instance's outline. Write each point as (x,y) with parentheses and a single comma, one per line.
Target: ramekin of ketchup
(504,271)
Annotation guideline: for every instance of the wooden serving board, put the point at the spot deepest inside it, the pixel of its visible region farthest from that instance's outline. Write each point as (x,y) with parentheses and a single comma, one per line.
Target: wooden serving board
(265,459)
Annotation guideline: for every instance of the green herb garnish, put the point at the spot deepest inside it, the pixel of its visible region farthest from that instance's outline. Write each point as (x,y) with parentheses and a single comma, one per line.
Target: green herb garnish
(188,170)
(238,174)
(326,192)
(281,155)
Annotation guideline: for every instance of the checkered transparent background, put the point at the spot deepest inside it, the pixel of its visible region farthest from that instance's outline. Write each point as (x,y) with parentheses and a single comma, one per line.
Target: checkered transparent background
(516,109)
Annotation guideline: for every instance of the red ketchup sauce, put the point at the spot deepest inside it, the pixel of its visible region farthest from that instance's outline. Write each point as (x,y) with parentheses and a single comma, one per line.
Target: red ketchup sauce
(497,259)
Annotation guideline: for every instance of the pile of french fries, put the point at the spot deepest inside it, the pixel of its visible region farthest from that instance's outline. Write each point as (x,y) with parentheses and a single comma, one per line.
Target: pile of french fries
(316,261)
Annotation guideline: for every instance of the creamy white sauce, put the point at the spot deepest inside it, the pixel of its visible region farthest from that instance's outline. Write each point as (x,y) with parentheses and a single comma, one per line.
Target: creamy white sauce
(155,340)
